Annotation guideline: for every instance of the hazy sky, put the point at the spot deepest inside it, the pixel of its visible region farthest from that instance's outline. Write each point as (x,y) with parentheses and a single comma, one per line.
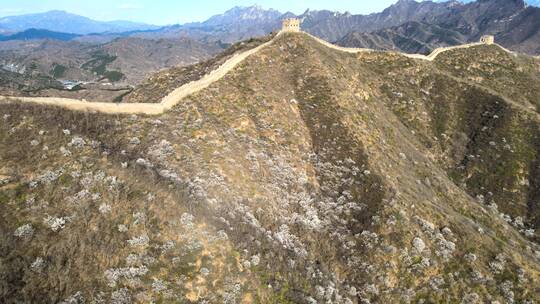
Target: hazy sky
(180,11)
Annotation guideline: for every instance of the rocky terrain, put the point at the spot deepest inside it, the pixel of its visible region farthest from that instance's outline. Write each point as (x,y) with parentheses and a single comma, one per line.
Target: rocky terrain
(306,175)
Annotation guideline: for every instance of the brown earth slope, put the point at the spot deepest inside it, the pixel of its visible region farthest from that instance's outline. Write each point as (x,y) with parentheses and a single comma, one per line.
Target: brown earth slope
(160,84)
(305,175)
(126,60)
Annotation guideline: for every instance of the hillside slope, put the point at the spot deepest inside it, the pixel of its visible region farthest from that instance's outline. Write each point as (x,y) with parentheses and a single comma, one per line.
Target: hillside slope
(125,60)
(305,175)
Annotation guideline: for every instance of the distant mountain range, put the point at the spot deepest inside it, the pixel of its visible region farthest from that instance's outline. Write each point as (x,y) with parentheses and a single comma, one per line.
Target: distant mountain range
(238,20)
(60,21)
(407,25)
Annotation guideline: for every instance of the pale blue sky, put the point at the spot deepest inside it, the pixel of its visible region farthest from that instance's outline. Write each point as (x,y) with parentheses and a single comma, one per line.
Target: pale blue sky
(180,11)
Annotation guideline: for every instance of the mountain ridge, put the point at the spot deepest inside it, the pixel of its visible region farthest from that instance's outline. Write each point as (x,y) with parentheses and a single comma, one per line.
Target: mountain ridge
(174,95)
(501,17)
(34,34)
(304,175)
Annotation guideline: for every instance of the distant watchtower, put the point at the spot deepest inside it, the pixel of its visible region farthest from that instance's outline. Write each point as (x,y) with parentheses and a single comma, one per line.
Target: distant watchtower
(487,39)
(291,25)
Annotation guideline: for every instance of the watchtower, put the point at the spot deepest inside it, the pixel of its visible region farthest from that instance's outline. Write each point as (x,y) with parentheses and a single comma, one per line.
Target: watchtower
(291,25)
(487,39)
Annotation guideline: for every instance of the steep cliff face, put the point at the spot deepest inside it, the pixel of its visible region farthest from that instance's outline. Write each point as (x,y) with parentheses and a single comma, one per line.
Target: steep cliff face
(514,24)
(304,175)
(333,26)
(411,37)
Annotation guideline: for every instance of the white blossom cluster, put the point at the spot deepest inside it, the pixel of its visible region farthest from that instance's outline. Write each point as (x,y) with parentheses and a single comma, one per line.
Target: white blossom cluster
(55,223)
(141,240)
(113,275)
(24,231)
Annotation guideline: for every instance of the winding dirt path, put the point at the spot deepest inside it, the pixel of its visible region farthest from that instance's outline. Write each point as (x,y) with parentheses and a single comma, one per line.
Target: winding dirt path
(166,103)
(190,88)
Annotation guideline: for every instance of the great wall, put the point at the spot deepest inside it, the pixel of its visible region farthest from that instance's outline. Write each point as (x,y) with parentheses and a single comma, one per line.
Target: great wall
(169,101)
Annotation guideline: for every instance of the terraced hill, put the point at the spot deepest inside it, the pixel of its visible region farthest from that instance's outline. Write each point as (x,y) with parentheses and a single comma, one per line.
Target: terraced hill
(304,175)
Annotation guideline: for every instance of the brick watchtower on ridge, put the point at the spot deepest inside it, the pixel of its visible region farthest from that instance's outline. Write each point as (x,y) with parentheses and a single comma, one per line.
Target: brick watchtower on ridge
(487,39)
(291,25)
